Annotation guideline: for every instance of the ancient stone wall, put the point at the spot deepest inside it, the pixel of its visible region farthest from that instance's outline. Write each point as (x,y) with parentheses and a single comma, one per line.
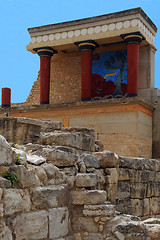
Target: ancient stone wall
(34,95)
(69,189)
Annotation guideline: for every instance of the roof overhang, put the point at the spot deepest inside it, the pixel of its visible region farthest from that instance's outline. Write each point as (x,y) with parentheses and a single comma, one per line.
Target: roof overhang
(103,29)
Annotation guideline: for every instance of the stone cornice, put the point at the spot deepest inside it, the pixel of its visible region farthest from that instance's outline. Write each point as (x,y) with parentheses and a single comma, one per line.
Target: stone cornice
(100,27)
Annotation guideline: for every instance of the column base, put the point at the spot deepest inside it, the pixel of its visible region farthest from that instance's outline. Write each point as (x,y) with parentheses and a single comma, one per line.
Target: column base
(85,99)
(5,105)
(44,102)
(132,95)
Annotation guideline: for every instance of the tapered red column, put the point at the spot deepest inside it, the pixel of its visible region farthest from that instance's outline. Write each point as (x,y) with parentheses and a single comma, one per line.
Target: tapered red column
(6,97)
(86,48)
(45,54)
(133,41)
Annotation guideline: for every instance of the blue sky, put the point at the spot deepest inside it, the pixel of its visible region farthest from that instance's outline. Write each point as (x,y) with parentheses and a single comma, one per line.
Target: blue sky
(18,67)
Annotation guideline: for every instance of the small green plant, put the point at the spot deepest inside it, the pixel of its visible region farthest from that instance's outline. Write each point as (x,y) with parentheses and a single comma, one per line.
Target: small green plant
(11,176)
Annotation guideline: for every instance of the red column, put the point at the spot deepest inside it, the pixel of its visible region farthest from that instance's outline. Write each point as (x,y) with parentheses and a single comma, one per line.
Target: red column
(6,97)
(133,41)
(132,69)
(86,48)
(45,54)
(86,74)
(44,79)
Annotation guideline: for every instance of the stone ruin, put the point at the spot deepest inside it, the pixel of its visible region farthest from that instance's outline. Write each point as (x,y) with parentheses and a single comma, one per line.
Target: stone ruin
(69,188)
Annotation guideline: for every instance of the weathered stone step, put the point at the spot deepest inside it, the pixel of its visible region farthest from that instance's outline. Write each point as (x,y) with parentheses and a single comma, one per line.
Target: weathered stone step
(76,140)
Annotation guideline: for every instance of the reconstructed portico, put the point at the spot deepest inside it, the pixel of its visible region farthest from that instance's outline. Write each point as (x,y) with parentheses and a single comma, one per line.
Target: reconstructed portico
(131,30)
(98,72)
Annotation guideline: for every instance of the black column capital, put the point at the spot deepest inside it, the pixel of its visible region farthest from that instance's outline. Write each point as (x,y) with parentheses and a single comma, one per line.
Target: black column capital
(89,45)
(45,51)
(134,37)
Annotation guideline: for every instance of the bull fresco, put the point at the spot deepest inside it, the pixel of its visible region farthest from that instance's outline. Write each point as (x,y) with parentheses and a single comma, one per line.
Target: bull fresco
(109,74)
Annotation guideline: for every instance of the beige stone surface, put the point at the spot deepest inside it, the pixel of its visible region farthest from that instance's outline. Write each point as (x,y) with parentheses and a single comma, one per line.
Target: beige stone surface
(35,225)
(86,180)
(27,176)
(59,157)
(88,197)
(75,140)
(48,196)
(13,202)
(107,159)
(47,202)
(5,232)
(58,222)
(5,152)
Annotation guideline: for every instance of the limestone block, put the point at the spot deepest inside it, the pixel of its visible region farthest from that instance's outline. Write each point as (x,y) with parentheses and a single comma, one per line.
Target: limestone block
(106,209)
(123,190)
(111,192)
(107,159)
(4,183)
(88,197)
(86,180)
(146,210)
(49,196)
(40,172)
(123,174)
(131,226)
(135,175)
(54,173)
(148,176)
(27,176)
(112,175)
(84,224)
(26,199)
(6,153)
(137,163)
(88,131)
(13,202)
(154,205)
(58,222)
(76,140)
(35,160)
(30,147)
(124,206)
(5,232)
(89,160)
(100,177)
(137,207)
(138,190)
(60,158)
(23,157)
(153,231)
(33,225)
(95,236)
(150,191)
(127,162)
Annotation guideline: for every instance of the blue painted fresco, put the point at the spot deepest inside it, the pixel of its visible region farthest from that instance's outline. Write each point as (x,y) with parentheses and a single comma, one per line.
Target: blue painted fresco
(110,67)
